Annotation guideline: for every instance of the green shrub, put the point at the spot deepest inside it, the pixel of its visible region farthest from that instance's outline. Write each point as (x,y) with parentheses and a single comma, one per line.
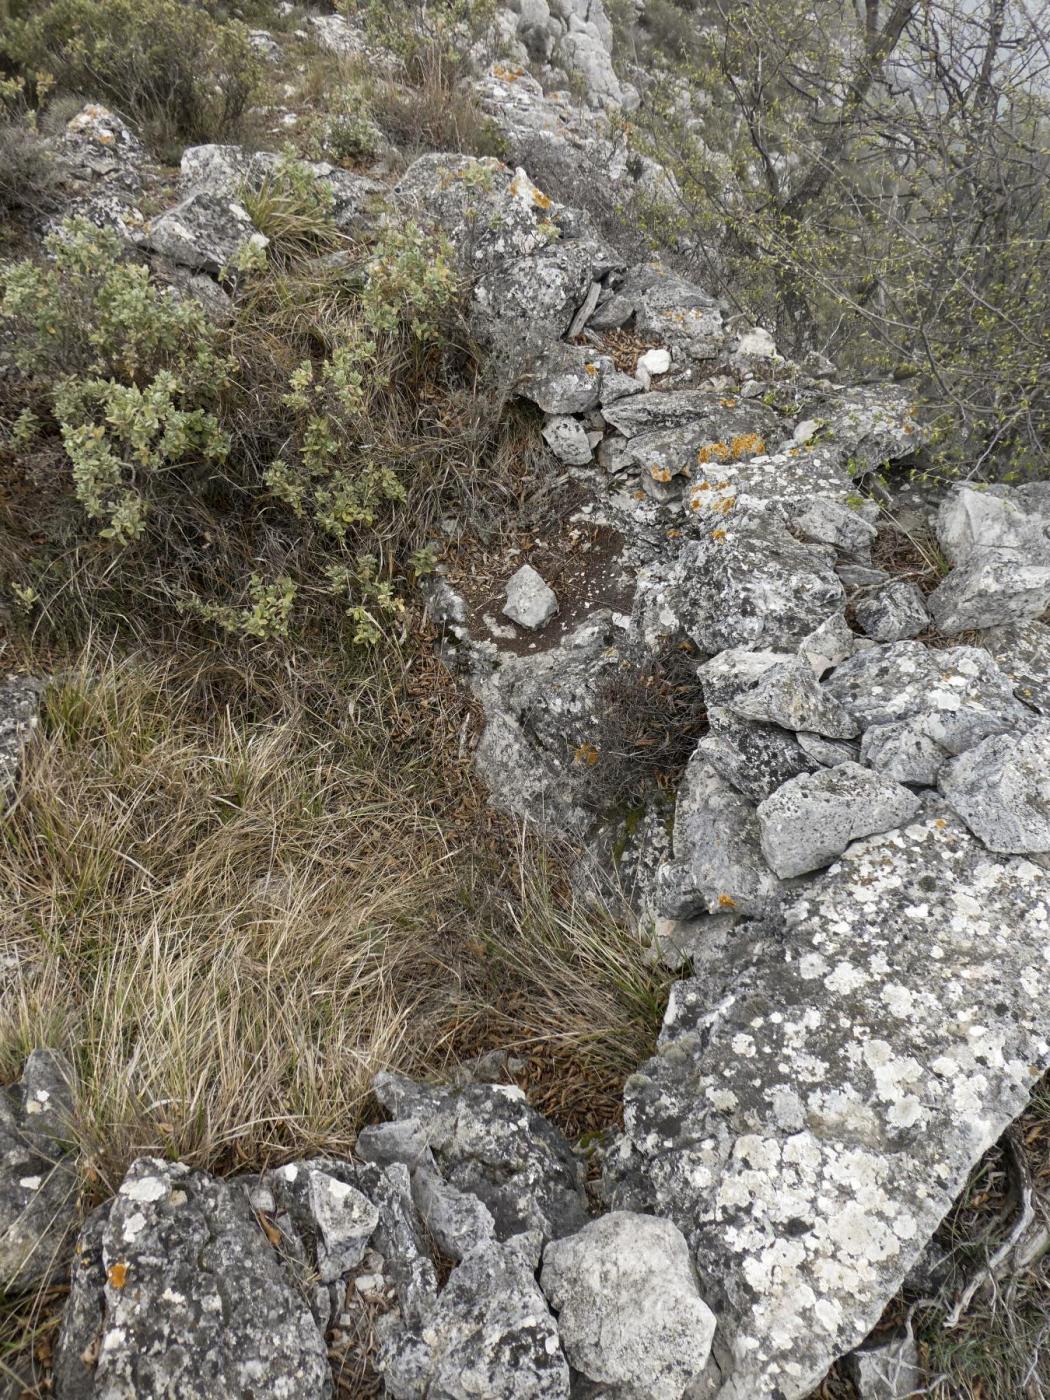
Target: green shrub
(257,470)
(169,65)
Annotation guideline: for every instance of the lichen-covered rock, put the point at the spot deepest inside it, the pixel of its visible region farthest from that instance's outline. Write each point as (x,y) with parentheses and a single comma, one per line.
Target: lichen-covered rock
(893,613)
(488,1142)
(1023,655)
(828,645)
(832,522)
(755,759)
(971,522)
(38,1177)
(717,861)
(819,1098)
(814,817)
(204,232)
(531,261)
(182,1294)
(568,379)
(990,590)
(19,704)
(630,1314)
(788,694)
(748,582)
(101,165)
(334,1218)
(1001,789)
(489,1333)
(919,707)
(223,171)
(567,439)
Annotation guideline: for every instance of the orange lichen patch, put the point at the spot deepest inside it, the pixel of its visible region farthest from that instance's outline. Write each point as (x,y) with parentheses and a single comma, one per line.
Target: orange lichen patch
(639,495)
(726,901)
(940,823)
(269,1230)
(543,200)
(590,368)
(713,452)
(673,534)
(659,473)
(117,1274)
(728,403)
(747,445)
(718,534)
(507,75)
(587,754)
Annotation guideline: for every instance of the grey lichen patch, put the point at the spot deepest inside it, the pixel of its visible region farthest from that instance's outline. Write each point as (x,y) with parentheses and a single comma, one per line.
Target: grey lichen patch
(808,1120)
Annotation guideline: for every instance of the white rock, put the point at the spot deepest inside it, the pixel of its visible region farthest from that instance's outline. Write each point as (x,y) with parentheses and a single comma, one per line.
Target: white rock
(1001,789)
(814,817)
(630,1314)
(530,603)
(656,361)
(568,439)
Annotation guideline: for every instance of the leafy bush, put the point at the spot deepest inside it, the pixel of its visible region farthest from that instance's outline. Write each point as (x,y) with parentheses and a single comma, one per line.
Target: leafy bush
(287,461)
(169,65)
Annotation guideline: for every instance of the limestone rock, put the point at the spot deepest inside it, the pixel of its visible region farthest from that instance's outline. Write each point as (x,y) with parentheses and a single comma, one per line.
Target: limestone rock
(919,706)
(531,260)
(19,703)
(38,1177)
(489,1333)
(717,865)
(829,645)
(892,613)
(1023,655)
(749,583)
(456,1220)
(814,817)
(630,1315)
(530,603)
(567,439)
(487,1141)
(889,1371)
(566,379)
(1001,789)
(990,590)
(971,522)
(816,1106)
(181,1293)
(831,522)
(789,695)
(204,232)
(336,1219)
(755,759)
(224,171)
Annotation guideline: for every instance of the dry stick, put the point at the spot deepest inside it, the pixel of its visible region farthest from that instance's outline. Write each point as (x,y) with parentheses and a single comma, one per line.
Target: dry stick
(1025,1217)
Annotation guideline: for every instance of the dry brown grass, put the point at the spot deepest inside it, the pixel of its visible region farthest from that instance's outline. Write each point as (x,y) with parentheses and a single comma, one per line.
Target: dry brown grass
(233,897)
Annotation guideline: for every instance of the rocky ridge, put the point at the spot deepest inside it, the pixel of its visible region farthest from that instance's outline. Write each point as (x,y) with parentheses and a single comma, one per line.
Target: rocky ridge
(853,871)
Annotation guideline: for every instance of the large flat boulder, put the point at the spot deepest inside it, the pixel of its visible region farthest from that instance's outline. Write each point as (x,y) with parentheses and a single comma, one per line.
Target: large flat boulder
(819,1098)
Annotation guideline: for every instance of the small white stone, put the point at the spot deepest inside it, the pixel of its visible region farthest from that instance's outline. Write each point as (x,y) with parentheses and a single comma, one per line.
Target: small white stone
(656,361)
(530,602)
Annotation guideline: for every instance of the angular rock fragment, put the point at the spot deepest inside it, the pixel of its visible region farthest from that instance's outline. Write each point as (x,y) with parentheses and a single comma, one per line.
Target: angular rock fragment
(565,379)
(328,1211)
(1001,789)
(38,1176)
(490,1333)
(530,603)
(890,1371)
(814,1111)
(186,1296)
(488,1142)
(789,695)
(814,817)
(826,752)
(832,522)
(204,232)
(456,1220)
(749,583)
(990,590)
(630,1315)
(1023,655)
(893,613)
(829,645)
(755,759)
(969,522)
(567,439)
(718,865)
(918,706)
